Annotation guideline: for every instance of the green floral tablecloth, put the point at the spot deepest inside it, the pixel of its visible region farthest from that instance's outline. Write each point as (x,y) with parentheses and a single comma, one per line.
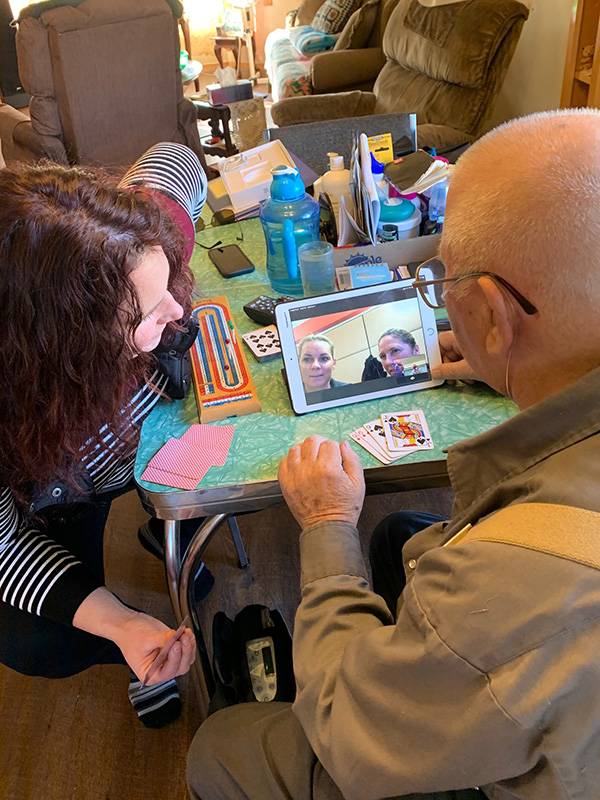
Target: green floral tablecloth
(261,440)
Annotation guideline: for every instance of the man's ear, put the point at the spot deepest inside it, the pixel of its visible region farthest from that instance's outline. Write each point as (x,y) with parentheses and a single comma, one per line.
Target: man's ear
(501,319)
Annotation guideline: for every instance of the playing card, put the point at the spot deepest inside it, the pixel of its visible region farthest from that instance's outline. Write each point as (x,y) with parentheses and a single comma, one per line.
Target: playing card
(406,430)
(183,459)
(215,440)
(155,475)
(375,431)
(263,343)
(163,654)
(362,438)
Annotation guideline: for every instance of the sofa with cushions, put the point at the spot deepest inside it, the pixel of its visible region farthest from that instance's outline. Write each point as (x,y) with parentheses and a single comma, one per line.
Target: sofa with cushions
(328,46)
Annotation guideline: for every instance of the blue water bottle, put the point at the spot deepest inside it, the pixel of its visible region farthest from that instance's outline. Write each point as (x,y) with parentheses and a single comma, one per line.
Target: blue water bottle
(289,217)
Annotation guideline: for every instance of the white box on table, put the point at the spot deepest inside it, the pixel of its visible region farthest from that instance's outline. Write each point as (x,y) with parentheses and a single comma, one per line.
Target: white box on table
(394,254)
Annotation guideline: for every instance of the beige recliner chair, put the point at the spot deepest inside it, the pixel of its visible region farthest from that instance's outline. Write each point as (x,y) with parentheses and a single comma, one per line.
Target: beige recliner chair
(446,64)
(105,84)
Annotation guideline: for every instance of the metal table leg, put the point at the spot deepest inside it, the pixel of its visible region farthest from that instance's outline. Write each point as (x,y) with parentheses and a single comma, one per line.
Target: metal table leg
(172,565)
(180,580)
(239,545)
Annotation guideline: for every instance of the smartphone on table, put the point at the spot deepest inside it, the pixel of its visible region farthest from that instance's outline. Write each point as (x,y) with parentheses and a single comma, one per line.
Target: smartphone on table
(230,260)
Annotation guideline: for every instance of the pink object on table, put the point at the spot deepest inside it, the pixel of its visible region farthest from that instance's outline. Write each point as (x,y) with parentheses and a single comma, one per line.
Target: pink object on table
(182,463)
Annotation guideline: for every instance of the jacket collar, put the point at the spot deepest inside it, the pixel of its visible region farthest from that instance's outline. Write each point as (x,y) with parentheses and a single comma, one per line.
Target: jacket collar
(476,465)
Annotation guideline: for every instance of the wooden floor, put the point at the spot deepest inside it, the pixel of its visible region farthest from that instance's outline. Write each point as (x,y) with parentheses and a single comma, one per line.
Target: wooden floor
(78,738)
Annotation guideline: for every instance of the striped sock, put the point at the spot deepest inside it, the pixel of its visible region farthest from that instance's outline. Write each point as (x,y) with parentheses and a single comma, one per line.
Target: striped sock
(156,705)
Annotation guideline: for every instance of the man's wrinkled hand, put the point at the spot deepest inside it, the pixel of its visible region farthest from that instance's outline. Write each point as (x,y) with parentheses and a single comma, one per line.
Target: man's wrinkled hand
(322,481)
(453,367)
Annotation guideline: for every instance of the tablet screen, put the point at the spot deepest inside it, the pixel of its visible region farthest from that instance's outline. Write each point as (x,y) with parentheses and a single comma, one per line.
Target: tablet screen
(357,345)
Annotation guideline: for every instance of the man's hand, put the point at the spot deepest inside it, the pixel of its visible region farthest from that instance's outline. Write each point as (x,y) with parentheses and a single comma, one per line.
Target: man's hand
(453,367)
(322,481)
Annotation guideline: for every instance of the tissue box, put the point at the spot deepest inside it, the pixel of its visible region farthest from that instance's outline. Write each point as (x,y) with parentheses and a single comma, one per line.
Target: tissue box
(218,95)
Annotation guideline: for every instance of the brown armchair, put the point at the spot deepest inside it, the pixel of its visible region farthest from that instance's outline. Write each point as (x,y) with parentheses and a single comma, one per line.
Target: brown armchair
(358,57)
(105,83)
(446,64)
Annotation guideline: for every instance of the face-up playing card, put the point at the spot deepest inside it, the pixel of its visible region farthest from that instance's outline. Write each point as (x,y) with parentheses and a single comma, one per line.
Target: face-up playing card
(263,343)
(362,438)
(409,426)
(406,430)
(375,431)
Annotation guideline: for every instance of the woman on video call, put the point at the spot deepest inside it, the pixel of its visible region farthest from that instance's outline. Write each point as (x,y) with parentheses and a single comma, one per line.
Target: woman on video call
(317,362)
(394,345)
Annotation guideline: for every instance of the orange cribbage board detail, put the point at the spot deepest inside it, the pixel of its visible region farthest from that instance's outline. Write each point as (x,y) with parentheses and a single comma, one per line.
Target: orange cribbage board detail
(222,379)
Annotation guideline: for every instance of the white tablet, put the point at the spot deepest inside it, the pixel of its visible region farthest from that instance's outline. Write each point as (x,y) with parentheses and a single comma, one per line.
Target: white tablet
(361,344)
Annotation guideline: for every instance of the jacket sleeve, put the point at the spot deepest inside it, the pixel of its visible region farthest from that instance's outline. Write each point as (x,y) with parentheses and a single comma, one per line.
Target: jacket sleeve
(37,575)
(389,709)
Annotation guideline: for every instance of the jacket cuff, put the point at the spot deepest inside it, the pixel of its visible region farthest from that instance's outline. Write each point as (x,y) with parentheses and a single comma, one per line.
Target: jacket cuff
(331,548)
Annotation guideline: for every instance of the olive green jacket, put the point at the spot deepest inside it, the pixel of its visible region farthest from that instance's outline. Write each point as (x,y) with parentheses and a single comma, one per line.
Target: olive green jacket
(490,676)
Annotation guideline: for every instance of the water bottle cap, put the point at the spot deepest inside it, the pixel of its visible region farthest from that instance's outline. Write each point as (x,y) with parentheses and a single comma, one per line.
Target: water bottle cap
(396,210)
(376,166)
(286,185)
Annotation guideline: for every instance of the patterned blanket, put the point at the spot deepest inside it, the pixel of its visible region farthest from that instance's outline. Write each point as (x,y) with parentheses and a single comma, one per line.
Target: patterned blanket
(308,40)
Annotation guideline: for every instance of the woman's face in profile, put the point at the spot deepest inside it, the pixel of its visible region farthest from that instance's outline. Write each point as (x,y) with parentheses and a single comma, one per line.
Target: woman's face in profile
(392,351)
(316,366)
(150,278)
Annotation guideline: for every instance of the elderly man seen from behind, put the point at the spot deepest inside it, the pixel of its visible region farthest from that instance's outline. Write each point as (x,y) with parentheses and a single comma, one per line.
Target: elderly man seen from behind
(474,660)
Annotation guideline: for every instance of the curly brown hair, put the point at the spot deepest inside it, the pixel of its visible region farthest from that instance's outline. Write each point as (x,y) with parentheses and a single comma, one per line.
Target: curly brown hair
(69,241)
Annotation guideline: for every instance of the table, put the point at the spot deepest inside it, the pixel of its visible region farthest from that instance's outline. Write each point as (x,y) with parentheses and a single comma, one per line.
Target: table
(219,117)
(248,481)
(235,44)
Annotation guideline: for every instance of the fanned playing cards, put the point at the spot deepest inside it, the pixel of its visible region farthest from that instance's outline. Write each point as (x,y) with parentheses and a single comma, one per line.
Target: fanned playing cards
(182,463)
(394,435)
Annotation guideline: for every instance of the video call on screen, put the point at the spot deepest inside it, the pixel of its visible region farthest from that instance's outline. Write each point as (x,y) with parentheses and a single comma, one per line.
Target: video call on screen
(360,345)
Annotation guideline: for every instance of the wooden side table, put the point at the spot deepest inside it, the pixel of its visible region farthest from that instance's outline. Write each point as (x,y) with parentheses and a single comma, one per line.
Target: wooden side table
(218,117)
(235,44)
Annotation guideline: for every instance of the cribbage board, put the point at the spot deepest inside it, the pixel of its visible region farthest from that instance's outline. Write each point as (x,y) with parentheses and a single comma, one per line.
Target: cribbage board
(222,380)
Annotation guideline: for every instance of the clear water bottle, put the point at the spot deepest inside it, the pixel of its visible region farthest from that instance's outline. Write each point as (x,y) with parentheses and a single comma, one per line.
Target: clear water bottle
(437,206)
(290,218)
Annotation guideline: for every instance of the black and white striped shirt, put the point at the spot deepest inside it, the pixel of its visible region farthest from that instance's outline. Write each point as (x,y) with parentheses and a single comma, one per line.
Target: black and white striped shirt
(37,574)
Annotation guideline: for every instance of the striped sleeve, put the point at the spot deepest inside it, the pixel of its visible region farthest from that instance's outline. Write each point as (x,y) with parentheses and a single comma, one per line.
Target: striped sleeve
(37,575)
(173,170)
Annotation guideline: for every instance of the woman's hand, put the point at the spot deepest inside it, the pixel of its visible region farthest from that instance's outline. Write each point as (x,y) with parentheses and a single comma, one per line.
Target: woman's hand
(322,481)
(453,367)
(141,640)
(139,636)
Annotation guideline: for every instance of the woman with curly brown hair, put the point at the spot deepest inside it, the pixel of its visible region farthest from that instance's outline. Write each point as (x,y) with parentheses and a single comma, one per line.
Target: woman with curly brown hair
(93,278)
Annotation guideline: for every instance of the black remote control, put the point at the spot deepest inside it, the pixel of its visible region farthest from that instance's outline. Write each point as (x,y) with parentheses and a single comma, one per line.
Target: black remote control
(262,309)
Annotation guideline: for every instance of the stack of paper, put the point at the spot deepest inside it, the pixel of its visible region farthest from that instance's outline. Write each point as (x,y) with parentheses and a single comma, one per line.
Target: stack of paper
(363,229)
